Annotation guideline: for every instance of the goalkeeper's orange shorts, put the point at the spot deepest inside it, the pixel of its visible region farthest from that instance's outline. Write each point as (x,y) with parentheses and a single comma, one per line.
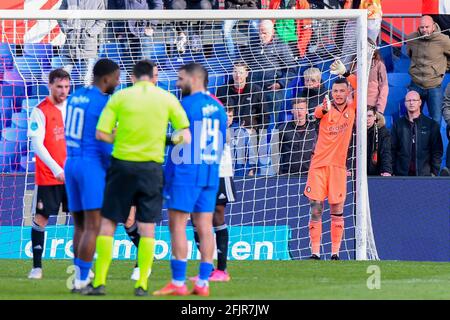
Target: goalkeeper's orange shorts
(327,182)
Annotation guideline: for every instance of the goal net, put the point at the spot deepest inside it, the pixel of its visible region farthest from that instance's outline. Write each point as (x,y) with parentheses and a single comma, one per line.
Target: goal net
(262,64)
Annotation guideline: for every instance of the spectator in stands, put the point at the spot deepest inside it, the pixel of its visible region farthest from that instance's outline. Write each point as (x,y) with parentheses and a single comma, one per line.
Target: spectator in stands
(132,32)
(244,97)
(416,142)
(446,114)
(181,40)
(314,91)
(374,16)
(245,148)
(378,87)
(296,139)
(379,159)
(429,51)
(82,37)
(273,66)
(228,25)
(296,33)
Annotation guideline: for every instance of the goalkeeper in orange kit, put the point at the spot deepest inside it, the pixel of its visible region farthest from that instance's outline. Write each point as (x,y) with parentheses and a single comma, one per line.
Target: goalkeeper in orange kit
(327,176)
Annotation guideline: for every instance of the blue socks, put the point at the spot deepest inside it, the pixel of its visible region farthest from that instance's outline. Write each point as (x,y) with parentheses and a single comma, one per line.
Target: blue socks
(84,268)
(178,271)
(205,270)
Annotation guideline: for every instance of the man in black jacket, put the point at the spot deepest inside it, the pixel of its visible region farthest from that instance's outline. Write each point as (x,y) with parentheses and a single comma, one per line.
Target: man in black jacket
(244,98)
(273,66)
(379,159)
(297,139)
(416,142)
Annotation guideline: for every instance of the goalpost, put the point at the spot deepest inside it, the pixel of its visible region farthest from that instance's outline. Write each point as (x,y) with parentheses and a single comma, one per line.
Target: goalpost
(269,219)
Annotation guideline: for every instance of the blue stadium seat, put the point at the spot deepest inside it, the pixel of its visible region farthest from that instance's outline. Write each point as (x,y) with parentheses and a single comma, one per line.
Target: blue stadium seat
(215,81)
(19,120)
(446,81)
(29,104)
(43,52)
(38,90)
(29,68)
(57,62)
(24,160)
(167,80)
(6,110)
(399,79)
(8,148)
(402,65)
(386,54)
(395,101)
(155,51)
(17,135)
(15,92)
(111,50)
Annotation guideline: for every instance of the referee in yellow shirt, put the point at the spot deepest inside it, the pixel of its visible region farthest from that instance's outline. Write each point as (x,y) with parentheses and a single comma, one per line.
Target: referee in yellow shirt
(141,113)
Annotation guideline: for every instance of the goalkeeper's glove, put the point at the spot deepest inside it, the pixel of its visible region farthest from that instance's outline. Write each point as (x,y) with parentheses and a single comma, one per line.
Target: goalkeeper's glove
(338,68)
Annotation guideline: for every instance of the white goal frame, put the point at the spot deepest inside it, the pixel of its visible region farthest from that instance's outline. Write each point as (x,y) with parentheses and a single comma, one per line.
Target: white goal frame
(362,200)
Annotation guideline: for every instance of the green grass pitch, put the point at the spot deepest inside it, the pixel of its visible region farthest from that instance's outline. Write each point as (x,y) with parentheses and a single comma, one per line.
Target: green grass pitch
(250,280)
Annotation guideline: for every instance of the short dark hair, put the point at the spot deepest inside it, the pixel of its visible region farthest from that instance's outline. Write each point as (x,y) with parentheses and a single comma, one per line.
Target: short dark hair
(59,73)
(372,108)
(144,68)
(299,100)
(240,63)
(196,68)
(340,81)
(104,67)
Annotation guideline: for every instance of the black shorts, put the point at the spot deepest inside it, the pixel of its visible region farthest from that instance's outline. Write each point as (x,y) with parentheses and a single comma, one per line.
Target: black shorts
(227,191)
(49,199)
(133,183)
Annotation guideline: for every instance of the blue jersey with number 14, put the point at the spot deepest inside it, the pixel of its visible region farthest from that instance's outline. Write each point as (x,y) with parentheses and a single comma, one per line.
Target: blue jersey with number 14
(198,163)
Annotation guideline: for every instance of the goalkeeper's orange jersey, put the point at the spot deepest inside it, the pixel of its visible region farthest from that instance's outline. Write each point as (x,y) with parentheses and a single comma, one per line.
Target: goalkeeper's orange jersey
(335,131)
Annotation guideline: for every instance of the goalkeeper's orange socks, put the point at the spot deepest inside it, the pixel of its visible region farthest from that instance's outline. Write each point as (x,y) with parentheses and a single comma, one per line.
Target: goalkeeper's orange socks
(337,230)
(146,249)
(104,258)
(315,235)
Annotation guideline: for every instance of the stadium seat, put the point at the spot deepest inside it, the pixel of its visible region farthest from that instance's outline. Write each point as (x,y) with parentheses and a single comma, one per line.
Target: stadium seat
(395,99)
(111,50)
(399,79)
(19,120)
(43,52)
(29,104)
(402,65)
(155,51)
(17,135)
(8,148)
(386,54)
(24,160)
(38,90)
(215,81)
(15,92)
(167,80)
(57,62)
(29,68)
(446,81)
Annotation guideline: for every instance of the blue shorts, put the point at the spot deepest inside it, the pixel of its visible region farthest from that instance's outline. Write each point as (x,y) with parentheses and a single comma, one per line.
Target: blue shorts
(191,198)
(85,183)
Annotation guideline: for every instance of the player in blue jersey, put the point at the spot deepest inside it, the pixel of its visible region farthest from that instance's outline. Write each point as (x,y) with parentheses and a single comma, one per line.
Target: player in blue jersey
(86,165)
(192,179)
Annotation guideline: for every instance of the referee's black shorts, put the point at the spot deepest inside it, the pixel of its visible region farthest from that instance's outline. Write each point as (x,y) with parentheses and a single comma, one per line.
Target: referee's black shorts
(133,183)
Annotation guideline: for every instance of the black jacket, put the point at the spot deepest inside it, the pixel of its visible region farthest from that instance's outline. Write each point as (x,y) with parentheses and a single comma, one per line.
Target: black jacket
(242,4)
(247,105)
(272,63)
(379,157)
(296,146)
(429,147)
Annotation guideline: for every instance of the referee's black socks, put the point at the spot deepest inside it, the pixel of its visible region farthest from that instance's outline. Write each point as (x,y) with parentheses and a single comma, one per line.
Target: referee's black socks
(222,246)
(37,243)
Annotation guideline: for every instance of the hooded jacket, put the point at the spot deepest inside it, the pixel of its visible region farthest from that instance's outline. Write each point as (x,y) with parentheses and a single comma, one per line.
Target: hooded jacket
(378,87)
(429,147)
(82,35)
(430,58)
